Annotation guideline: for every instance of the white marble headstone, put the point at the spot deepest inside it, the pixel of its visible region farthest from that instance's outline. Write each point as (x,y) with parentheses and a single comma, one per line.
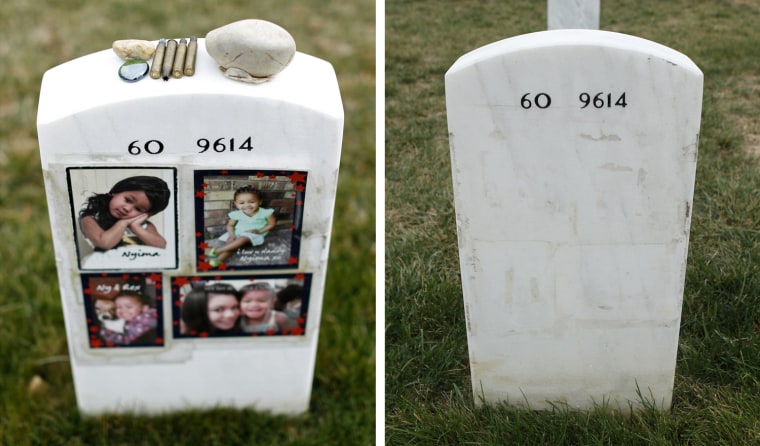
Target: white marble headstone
(203,136)
(573,14)
(573,159)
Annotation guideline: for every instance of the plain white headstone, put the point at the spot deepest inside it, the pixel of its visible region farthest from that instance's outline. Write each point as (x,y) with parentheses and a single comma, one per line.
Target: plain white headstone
(90,119)
(573,14)
(573,159)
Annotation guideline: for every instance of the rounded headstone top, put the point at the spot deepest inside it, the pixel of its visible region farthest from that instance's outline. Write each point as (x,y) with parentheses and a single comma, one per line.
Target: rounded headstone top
(251,50)
(562,39)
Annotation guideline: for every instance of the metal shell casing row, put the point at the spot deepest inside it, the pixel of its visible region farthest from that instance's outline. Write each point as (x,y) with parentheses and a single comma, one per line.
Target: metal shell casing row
(173,59)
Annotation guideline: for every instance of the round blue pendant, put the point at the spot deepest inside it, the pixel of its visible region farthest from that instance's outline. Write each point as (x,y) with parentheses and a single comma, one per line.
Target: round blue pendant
(133,70)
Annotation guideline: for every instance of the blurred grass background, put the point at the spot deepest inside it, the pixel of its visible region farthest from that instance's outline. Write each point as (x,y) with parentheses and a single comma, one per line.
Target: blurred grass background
(717,384)
(35,36)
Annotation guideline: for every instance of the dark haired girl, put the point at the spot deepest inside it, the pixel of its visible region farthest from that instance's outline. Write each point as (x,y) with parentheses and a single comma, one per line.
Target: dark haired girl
(120,217)
(248,225)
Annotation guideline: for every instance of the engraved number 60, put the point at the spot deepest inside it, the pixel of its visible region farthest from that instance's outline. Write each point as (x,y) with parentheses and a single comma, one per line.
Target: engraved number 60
(542,100)
(152,147)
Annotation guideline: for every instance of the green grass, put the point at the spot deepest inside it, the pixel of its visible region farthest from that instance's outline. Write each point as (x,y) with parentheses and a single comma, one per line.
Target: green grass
(717,388)
(36,36)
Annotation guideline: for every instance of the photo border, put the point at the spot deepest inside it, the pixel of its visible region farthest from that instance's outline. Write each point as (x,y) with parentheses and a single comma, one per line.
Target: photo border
(93,327)
(297,177)
(78,233)
(179,281)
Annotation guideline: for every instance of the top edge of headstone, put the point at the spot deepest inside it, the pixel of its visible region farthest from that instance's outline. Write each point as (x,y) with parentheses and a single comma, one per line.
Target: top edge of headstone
(92,81)
(574,38)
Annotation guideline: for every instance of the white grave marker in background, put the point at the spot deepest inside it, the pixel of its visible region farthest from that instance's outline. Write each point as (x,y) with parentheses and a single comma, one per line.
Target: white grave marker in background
(572,14)
(200,138)
(573,158)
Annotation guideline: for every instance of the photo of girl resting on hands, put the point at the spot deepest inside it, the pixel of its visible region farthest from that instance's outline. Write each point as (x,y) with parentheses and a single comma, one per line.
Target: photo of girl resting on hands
(120,217)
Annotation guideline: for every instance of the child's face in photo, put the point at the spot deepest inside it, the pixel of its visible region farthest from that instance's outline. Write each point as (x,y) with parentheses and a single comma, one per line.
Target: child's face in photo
(128,307)
(128,204)
(256,303)
(223,311)
(247,203)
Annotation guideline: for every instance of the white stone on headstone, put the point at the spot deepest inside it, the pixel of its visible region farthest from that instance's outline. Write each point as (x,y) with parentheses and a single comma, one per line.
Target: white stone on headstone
(573,159)
(572,14)
(202,137)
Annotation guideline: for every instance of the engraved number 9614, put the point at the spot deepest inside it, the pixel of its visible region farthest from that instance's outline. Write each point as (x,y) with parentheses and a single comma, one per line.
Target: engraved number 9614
(600,100)
(223,145)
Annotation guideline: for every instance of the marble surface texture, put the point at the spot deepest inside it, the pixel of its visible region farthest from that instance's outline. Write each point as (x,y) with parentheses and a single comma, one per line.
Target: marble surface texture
(573,14)
(88,117)
(573,161)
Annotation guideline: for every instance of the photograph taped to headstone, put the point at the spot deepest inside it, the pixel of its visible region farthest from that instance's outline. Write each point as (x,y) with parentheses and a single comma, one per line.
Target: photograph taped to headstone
(248,219)
(123,310)
(124,218)
(240,305)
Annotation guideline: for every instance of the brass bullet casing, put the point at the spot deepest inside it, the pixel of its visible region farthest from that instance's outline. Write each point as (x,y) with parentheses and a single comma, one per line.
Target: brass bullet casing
(158,59)
(179,59)
(171,50)
(192,50)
